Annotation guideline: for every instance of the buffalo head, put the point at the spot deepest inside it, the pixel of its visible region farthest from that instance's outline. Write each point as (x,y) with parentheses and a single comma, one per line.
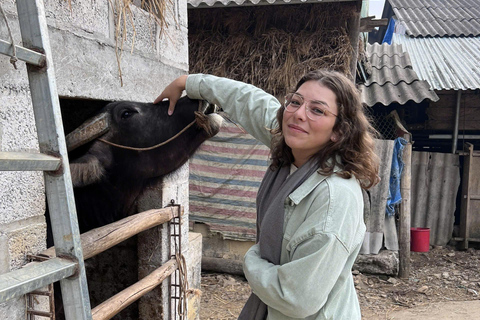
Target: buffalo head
(116,153)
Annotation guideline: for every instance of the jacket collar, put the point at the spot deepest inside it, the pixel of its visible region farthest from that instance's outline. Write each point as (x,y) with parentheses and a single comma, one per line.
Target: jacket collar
(311,183)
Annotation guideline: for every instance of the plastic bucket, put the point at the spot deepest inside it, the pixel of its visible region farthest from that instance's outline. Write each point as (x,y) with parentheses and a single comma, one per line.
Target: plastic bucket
(419,239)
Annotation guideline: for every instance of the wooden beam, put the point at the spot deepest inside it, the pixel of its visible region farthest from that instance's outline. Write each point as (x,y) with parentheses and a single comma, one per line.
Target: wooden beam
(100,239)
(353,25)
(222,265)
(367,24)
(109,308)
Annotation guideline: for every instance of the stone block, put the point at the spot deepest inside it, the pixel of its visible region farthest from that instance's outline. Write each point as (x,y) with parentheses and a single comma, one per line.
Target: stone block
(141,31)
(386,262)
(4,256)
(88,18)
(25,237)
(193,257)
(88,69)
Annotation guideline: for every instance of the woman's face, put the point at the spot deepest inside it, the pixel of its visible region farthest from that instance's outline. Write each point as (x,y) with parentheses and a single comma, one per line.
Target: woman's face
(306,136)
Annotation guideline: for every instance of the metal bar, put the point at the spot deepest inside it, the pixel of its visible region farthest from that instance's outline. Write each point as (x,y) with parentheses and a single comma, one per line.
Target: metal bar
(39,293)
(32,277)
(59,189)
(459,136)
(40,313)
(24,54)
(23,161)
(469,239)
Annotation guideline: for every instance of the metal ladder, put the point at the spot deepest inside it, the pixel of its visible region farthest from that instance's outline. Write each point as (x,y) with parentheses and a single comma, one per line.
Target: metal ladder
(68,265)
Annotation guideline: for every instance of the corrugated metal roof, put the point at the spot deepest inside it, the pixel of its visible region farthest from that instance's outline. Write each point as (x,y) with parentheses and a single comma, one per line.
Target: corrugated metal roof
(438,18)
(399,93)
(446,63)
(402,61)
(392,78)
(234,3)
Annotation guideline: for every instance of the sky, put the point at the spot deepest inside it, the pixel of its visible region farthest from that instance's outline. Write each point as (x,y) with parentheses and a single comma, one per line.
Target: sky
(375,8)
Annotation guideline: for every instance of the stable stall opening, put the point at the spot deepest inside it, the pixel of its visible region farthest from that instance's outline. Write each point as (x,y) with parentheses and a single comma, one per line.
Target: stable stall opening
(116,268)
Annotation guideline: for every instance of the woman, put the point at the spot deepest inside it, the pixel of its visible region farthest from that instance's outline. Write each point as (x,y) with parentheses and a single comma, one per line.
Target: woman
(309,206)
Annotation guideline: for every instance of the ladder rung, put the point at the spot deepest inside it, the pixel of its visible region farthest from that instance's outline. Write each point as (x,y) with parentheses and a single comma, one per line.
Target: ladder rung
(40,313)
(24,161)
(34,276)
(24,54)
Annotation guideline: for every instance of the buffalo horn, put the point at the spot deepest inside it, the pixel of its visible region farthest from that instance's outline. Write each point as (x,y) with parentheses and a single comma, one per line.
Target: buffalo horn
(89,130)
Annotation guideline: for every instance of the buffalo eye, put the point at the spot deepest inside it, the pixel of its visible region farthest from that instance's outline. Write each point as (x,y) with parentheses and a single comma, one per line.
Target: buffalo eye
(128,113)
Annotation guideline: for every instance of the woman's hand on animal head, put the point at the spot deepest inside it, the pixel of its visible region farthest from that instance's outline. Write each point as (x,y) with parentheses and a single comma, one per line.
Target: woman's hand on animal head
(173,92)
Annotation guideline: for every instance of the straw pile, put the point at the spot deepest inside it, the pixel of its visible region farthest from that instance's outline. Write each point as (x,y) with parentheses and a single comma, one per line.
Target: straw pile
(270,46)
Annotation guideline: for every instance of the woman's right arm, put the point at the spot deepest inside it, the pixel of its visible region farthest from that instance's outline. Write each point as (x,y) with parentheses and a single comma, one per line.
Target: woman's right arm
(254,109)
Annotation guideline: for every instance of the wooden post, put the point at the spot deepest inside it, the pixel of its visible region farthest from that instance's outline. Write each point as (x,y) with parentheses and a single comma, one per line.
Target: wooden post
(466,196)
(405,207)
(353,35)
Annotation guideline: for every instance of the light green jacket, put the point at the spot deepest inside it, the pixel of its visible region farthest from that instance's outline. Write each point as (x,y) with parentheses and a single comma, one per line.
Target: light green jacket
(323,228)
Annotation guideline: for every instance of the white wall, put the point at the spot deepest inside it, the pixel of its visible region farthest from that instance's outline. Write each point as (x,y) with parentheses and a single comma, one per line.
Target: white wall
(83,45)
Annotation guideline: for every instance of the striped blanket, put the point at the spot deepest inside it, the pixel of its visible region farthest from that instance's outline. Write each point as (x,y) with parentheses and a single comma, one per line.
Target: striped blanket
(225,174)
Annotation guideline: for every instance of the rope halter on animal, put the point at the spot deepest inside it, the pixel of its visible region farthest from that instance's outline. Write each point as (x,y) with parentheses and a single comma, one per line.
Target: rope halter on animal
(100,126)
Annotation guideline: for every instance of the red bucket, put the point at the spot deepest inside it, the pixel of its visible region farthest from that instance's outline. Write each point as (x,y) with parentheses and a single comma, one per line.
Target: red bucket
(419,239)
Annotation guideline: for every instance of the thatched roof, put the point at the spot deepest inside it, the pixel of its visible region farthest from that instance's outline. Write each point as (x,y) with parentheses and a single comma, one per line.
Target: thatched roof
(270,46)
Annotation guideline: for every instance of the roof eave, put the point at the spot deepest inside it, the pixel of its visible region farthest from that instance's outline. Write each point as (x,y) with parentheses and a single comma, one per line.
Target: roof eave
(199,4)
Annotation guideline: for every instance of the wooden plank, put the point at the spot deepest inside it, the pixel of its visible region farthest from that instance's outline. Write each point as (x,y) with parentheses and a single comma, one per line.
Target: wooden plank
(367,24)
(469,239)
(24,161)
(474,194)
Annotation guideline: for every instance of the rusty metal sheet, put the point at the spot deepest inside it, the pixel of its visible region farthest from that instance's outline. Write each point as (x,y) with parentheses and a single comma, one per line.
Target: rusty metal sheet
(435,183)
(375,215)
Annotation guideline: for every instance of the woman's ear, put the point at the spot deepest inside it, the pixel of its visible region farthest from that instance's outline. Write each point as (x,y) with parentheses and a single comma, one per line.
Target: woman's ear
(334,137)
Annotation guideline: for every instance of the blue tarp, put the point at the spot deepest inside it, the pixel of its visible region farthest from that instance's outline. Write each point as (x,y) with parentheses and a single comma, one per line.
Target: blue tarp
(389,33)
(394,195)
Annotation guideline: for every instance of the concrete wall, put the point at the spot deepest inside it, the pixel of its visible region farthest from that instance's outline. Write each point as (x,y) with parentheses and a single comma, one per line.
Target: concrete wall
(82,38)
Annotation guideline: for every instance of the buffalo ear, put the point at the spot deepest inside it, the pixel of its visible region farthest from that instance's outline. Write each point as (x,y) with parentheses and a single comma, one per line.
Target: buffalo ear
(86,170)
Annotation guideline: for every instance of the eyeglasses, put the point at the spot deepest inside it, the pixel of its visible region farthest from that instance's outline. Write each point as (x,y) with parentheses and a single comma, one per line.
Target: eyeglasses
(315,109)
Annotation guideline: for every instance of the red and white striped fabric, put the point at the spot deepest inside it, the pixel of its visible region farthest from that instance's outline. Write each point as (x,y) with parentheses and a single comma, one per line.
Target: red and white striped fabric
(225,174)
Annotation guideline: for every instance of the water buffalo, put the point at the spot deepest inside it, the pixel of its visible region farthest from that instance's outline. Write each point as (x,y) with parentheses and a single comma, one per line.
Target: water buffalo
(115,154)
(108,178)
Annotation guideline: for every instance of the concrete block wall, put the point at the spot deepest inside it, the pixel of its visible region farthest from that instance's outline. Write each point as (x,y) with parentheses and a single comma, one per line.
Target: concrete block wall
(82,38)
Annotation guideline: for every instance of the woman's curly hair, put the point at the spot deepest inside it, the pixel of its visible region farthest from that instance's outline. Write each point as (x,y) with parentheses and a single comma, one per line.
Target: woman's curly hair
(353,150)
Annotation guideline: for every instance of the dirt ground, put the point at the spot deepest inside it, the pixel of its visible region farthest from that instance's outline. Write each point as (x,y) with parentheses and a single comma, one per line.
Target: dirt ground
(444,283)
